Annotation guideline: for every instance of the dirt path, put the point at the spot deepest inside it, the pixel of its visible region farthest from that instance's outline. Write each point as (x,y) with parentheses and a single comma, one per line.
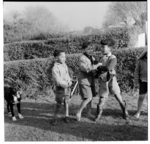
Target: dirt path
(38,113)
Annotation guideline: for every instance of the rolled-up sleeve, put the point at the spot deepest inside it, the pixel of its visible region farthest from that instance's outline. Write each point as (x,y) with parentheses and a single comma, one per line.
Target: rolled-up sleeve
(112,64)
(57,78)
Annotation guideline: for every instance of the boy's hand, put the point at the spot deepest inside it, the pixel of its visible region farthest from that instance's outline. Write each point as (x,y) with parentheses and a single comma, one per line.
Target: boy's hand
(94,67)
(99,64)
(69,83)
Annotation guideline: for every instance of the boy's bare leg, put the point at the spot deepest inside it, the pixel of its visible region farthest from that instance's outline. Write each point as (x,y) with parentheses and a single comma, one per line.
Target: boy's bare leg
(115,89)
(140,103)
(122,105)
(100,107)
(89,110)
(57,108)
(89,107)
(66,104)
(82,106)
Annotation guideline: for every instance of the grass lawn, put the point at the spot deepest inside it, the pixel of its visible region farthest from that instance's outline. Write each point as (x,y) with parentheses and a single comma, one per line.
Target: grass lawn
(38,113)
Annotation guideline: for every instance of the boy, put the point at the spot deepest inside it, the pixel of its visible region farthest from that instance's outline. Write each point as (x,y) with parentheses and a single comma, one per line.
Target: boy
(140,76)
(62,82)
(86,80)
(110,85)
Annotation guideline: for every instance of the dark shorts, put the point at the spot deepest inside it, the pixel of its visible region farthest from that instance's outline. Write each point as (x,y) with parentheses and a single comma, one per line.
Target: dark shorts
(85,91)
(143,87)
(62,95)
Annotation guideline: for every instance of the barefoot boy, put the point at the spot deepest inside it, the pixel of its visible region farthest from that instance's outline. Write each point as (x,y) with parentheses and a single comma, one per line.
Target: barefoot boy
(110,85)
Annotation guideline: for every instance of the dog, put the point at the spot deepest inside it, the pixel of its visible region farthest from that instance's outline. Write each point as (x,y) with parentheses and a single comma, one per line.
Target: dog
(100,71)
(13,97)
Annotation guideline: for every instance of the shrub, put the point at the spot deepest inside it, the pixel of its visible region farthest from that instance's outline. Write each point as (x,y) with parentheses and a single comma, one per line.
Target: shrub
(36,74)
(43,49)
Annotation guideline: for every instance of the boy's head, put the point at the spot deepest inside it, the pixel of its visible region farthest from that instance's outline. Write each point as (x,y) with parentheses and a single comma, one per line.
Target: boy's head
(86,47)
(60,56)
(107,45)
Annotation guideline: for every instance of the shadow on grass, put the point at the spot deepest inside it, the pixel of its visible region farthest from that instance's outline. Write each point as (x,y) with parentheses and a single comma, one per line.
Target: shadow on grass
(39,115)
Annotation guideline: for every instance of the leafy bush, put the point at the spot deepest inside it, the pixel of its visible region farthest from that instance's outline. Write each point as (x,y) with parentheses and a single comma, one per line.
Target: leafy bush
(34,76)
(43,49)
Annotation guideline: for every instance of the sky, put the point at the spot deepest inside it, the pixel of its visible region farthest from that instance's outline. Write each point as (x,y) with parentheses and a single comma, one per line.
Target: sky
(76,15)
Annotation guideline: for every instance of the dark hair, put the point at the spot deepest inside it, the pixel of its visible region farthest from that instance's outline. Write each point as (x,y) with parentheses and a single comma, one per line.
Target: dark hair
(57,52)
(108,42)
(85,45)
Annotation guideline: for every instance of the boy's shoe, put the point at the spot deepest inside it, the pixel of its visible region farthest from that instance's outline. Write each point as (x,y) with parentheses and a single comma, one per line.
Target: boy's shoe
(67,120)
(54,122)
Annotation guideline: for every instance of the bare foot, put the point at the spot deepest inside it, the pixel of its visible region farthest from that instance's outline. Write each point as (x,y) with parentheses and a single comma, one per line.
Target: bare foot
(78,115)
(14,118)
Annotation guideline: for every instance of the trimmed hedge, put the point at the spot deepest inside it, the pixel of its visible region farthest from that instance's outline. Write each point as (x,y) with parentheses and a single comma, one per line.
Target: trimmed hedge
(34,76)
(43,49)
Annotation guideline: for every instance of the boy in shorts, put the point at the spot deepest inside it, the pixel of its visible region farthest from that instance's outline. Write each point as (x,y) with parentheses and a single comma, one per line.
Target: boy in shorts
(62,82)
(140,76)
(109,85)
(86,80)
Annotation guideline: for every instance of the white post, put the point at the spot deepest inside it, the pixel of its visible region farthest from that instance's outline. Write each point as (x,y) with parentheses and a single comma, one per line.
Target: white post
(146,31)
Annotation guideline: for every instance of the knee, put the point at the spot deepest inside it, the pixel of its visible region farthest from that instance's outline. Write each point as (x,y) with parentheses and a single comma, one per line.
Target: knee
(66,101)
(87,99)
(102,100)
(118,96)
(101,105)
(90,98)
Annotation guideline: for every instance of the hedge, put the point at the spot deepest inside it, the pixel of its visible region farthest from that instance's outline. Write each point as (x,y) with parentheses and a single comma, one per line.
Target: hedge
(34,76)
(43,49)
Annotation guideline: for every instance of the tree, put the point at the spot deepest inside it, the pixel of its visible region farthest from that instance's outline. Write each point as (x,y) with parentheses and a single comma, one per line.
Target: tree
(128,13)
(132,15)
(88,29)
(32,23)
(42,20)
(16,27)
